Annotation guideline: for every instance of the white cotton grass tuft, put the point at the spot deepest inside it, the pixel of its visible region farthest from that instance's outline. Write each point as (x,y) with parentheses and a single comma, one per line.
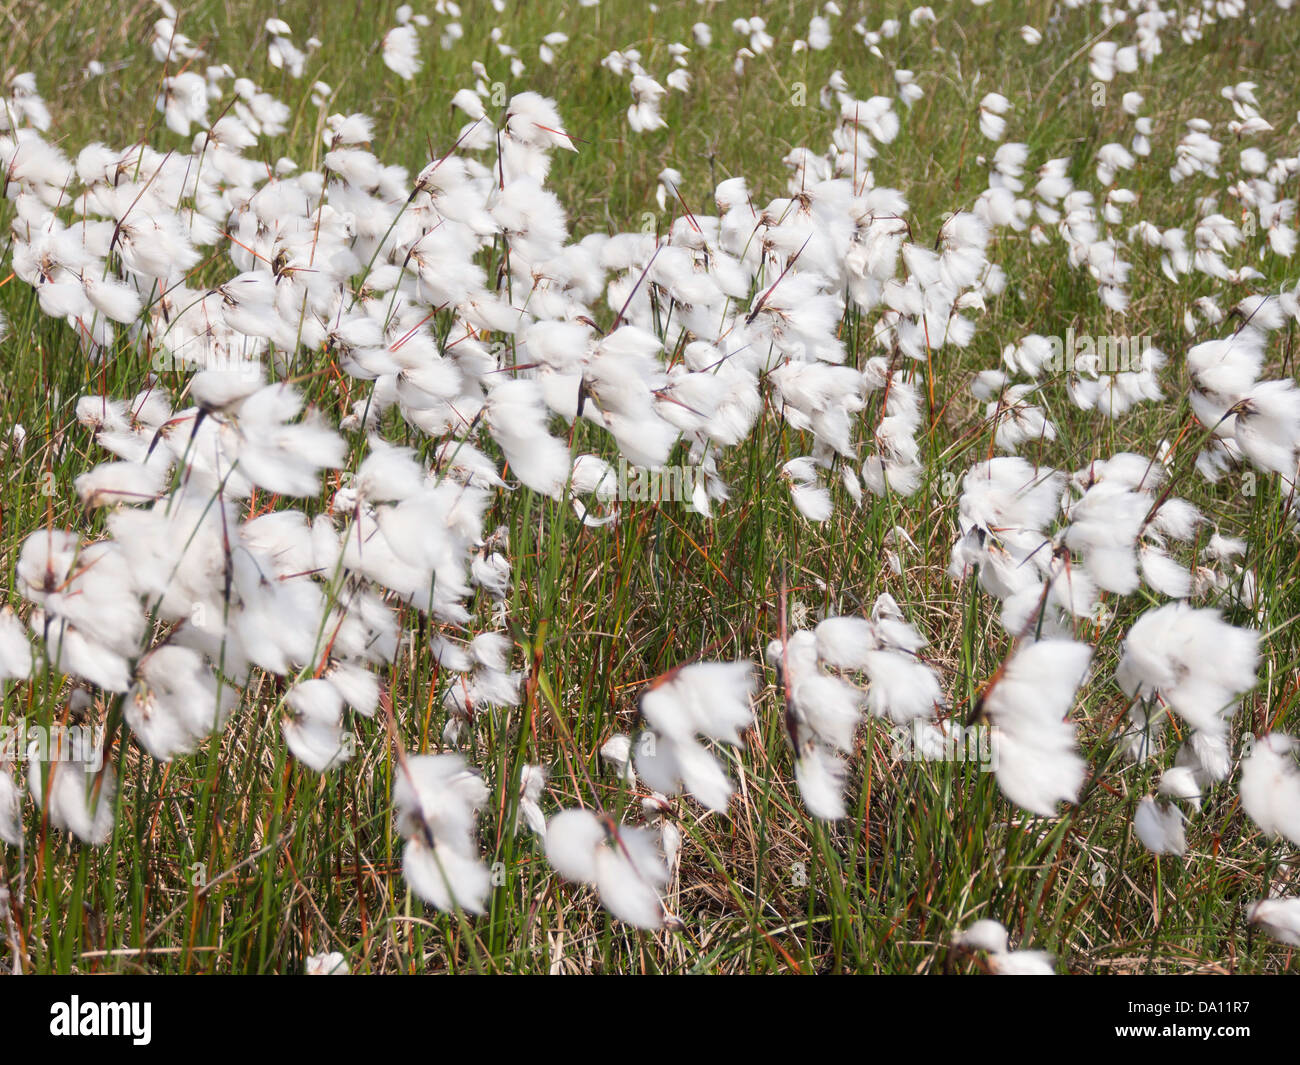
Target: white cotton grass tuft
(647,99)
(1181,782)
(1003,513)
(1188,661)
(992,111)
(992,939)
(15,649)
(822,713)
(175,701)
(809,496)
(401,51)
(330,964)
(1160,827)
(822,775)
(1278,917)
(900,685)
(436,798)
(831,675)
(517,420)
(313,725)
(709,699)
(1270,786)
(75,793)
(11,824)
(617,751)
(532,781)
(624,865)
(1037,761)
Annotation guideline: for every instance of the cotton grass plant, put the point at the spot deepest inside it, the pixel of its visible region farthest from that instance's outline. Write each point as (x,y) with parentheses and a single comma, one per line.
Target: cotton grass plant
(317,379)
